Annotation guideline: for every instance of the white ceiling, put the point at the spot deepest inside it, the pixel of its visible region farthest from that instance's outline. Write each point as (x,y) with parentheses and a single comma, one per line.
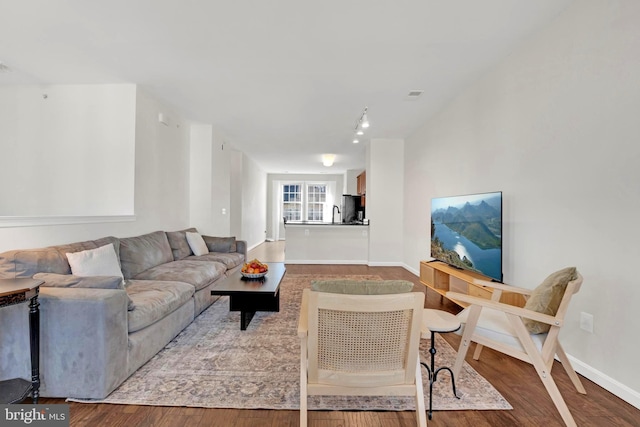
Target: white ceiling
(282,80)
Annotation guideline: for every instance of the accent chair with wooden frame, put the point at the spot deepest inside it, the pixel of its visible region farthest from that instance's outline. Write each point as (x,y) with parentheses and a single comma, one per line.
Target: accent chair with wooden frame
(490,323)
(360,345)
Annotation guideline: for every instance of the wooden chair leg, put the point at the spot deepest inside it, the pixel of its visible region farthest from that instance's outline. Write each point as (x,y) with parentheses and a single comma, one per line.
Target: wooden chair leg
(543,371)
(420,409)
(566,364)
(476,354)
(554,393)
(303,384)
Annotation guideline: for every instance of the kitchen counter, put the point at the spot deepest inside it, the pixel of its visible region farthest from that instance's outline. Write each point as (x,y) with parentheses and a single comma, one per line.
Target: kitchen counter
(337,224)
(326,243)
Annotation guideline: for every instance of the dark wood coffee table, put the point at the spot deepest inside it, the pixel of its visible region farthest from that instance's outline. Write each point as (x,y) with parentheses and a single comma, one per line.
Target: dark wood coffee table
(250,295)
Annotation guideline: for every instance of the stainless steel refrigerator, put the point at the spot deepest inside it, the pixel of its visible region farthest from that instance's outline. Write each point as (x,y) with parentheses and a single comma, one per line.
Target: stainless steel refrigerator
(351,209)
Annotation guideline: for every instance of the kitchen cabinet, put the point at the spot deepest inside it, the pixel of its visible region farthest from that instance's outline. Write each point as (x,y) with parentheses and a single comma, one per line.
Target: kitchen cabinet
(361,187)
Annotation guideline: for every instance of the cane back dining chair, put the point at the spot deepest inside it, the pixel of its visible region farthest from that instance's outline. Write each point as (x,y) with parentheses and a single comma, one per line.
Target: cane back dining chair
(360,345)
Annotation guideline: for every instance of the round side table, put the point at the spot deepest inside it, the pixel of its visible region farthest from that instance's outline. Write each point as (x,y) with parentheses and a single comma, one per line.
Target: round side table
(441,322)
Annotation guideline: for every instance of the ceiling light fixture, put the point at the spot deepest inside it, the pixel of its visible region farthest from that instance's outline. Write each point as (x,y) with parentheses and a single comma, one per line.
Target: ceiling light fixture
(328,159)
(361,124)
(364,120)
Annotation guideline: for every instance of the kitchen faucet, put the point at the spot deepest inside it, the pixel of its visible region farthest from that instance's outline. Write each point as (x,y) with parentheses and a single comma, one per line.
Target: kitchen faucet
(333,214)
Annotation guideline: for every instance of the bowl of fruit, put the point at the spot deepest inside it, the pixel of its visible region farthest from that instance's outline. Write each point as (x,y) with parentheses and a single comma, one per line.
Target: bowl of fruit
(254,269)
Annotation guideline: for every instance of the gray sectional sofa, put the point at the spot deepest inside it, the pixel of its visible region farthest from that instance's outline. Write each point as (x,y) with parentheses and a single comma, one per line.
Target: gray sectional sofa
(96,331)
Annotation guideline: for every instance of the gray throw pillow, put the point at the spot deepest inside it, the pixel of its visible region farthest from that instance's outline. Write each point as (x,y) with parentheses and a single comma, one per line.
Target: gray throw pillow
(362,287)
(220,244)
(178,242)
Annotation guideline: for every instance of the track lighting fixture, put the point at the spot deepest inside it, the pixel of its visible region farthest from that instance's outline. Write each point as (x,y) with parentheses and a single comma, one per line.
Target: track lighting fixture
(361,124)
(364,120)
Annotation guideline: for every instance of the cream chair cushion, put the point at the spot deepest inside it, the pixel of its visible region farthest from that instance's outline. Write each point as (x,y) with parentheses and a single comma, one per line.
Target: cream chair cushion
(493,324)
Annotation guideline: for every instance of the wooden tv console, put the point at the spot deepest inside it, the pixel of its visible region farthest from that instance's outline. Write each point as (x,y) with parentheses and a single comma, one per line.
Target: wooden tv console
(443,278)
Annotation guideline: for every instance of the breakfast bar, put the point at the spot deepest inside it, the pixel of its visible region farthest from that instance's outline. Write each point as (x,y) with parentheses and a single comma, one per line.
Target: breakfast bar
(326,243)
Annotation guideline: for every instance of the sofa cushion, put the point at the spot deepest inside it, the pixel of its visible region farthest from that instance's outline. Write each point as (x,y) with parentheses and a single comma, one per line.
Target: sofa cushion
(155,300)
(230,260)
(141,253)
(220,244)
(197,273)
(27,262)
(178,242)
(196,243)
(55,280)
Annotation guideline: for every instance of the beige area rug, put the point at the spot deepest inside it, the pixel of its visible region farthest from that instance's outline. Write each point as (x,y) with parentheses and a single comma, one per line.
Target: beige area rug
(213,364)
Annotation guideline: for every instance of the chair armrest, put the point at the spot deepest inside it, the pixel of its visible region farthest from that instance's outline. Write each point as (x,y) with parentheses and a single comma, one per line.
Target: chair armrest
(303,321)
(503,287)
(506,308)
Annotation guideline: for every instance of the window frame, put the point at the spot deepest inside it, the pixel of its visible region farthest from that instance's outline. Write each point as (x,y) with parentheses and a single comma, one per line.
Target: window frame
(306,201)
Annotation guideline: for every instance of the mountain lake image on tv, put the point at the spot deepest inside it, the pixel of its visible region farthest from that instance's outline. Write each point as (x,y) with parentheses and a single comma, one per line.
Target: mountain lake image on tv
(466,232)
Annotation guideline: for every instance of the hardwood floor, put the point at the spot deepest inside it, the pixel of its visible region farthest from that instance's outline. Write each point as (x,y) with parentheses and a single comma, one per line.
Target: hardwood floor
(517,381)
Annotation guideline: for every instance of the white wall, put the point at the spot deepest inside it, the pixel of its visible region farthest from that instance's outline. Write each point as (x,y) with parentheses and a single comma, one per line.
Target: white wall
(50,135)
(236,175)
(220,187)
(254,203)
(556,128)
(385,181)
(351,181)
(200,171)
(210,189)
(161,186)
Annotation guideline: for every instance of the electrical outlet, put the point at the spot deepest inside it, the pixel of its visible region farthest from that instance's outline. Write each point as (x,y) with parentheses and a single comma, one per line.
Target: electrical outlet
(586,322)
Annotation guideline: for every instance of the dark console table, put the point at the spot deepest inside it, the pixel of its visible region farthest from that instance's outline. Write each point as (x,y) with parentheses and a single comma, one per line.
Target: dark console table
(16,291)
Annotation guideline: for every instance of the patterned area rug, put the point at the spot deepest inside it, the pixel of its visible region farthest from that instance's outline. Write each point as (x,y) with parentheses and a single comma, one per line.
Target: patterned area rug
(213,364)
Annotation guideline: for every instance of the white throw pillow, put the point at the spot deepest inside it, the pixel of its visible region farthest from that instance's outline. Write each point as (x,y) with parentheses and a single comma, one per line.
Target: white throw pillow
(197,244)
(102,261)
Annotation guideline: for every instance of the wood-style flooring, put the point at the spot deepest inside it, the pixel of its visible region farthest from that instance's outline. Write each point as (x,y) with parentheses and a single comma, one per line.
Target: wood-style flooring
(517,381)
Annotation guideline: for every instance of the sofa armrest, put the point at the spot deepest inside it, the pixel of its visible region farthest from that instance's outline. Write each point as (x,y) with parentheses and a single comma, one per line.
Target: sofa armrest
(241,247)
(83,341)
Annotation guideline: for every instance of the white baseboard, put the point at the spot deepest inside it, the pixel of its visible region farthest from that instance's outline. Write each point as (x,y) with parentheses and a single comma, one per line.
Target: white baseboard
(411,269)
(331,261)
(254,246)
(613,386)
(385,264)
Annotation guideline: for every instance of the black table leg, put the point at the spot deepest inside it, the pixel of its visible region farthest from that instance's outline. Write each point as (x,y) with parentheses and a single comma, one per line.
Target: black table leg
(245,319)
(34,338)
(249,304)
(433,374)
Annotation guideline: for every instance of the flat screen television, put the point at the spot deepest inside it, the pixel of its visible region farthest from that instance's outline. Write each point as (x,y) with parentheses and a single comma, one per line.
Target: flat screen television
(466,232)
